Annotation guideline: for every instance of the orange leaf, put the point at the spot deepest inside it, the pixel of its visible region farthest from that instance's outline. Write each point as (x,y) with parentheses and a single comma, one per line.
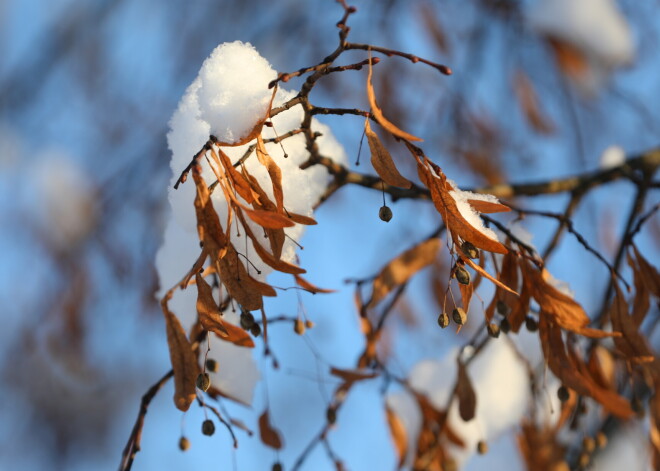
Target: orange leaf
(208,224)
(182,357)
(483,272)
(351,376)
(300,219)
(648,273)
(378,114)
(467,398)
(306,285)
(382,160)
(488,207)
(269,435)
(269,219)
(399,270)
(529,104)
(239,182)
(632,343)
(399,435)
(274,172)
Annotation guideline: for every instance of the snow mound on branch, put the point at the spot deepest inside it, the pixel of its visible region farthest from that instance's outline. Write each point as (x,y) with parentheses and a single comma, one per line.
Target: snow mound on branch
(228,97)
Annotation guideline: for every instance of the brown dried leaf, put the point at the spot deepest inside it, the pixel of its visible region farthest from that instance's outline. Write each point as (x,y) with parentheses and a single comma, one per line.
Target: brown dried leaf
(642,300)
(182,357)
(306,285)
(238,181)
(529,104)
(270,436)
(276,237)
(382,160)
(208,224)
(399,435)
(564,311)
(570,59)
(446,206)
(269,219)
(649,274)
(571,371)
(399,270)
(300,219)
(488,207)
(378,114)
(467,398)
(632,343)
(485,274)
(274,172)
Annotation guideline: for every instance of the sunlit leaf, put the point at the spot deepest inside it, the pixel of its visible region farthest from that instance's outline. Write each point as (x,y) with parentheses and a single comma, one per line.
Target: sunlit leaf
(382,160)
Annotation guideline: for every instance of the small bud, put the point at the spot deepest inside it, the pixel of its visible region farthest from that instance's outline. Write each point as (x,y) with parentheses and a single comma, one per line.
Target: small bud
(563,394)
(505,325)
(184,443)
(309,324)
(255,329)
(588,444)
(208,427)
(502,308)
(212,365)
(482,447)
(470,250)
(459,315)
(443,320)
(299,327)
(277,466)
(247,320)
(601,440)
(203,381)
(493,330)
(462,275)
(531,324)
(385,213)
(331,415)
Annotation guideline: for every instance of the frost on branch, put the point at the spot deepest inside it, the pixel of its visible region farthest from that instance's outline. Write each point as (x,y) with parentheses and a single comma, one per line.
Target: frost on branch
(265,194)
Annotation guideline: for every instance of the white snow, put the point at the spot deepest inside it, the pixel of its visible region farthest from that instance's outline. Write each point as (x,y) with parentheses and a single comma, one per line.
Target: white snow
(613,156)
(229,96)
(595,27)
(501,384)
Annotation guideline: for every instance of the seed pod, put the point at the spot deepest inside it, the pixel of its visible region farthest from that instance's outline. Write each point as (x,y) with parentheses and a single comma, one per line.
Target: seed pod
(331,415)
(309,324)
(588,445)
(299,327)
(212,365)
(482,447)
(184,443)
(583,460)
(505,325)
(470,250)
(203,381)
(502,308)
(385,213)
(443,320)
(247,320)
(493,330)
(459,315)
(208,427)
(563,394)
(277,466)
(531,324)
(255,329)
(601,440)
(462,275)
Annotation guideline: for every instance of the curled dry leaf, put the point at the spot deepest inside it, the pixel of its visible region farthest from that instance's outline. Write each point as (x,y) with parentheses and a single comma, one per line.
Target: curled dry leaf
(382,160)
(399,435)
(488,207)
(485,274)
(399,270)
(274,172)
(648,272)
(436,181)
(211,319)
(307,286)
(208,224)
(632,343)
(467,398)
(572,371)
(238,181)
(270,436)
(378,114)
(183,359)
(529,104)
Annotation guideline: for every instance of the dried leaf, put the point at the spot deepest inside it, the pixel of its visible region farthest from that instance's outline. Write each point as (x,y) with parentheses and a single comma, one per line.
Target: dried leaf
(642,300)
(632,343)
(276,237)
(306,285)
(399,435)
(572,372)
(182,357)
(378,114)
(485,274)
(269,219)
(570,59)
(300,219)
(382,160)
(467,398)
(446,206)
(238,181)
(529,104)
(269,435)
(274,172)
(399,270)
(488,207)
(648,272)
(208,224)
(351,376)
